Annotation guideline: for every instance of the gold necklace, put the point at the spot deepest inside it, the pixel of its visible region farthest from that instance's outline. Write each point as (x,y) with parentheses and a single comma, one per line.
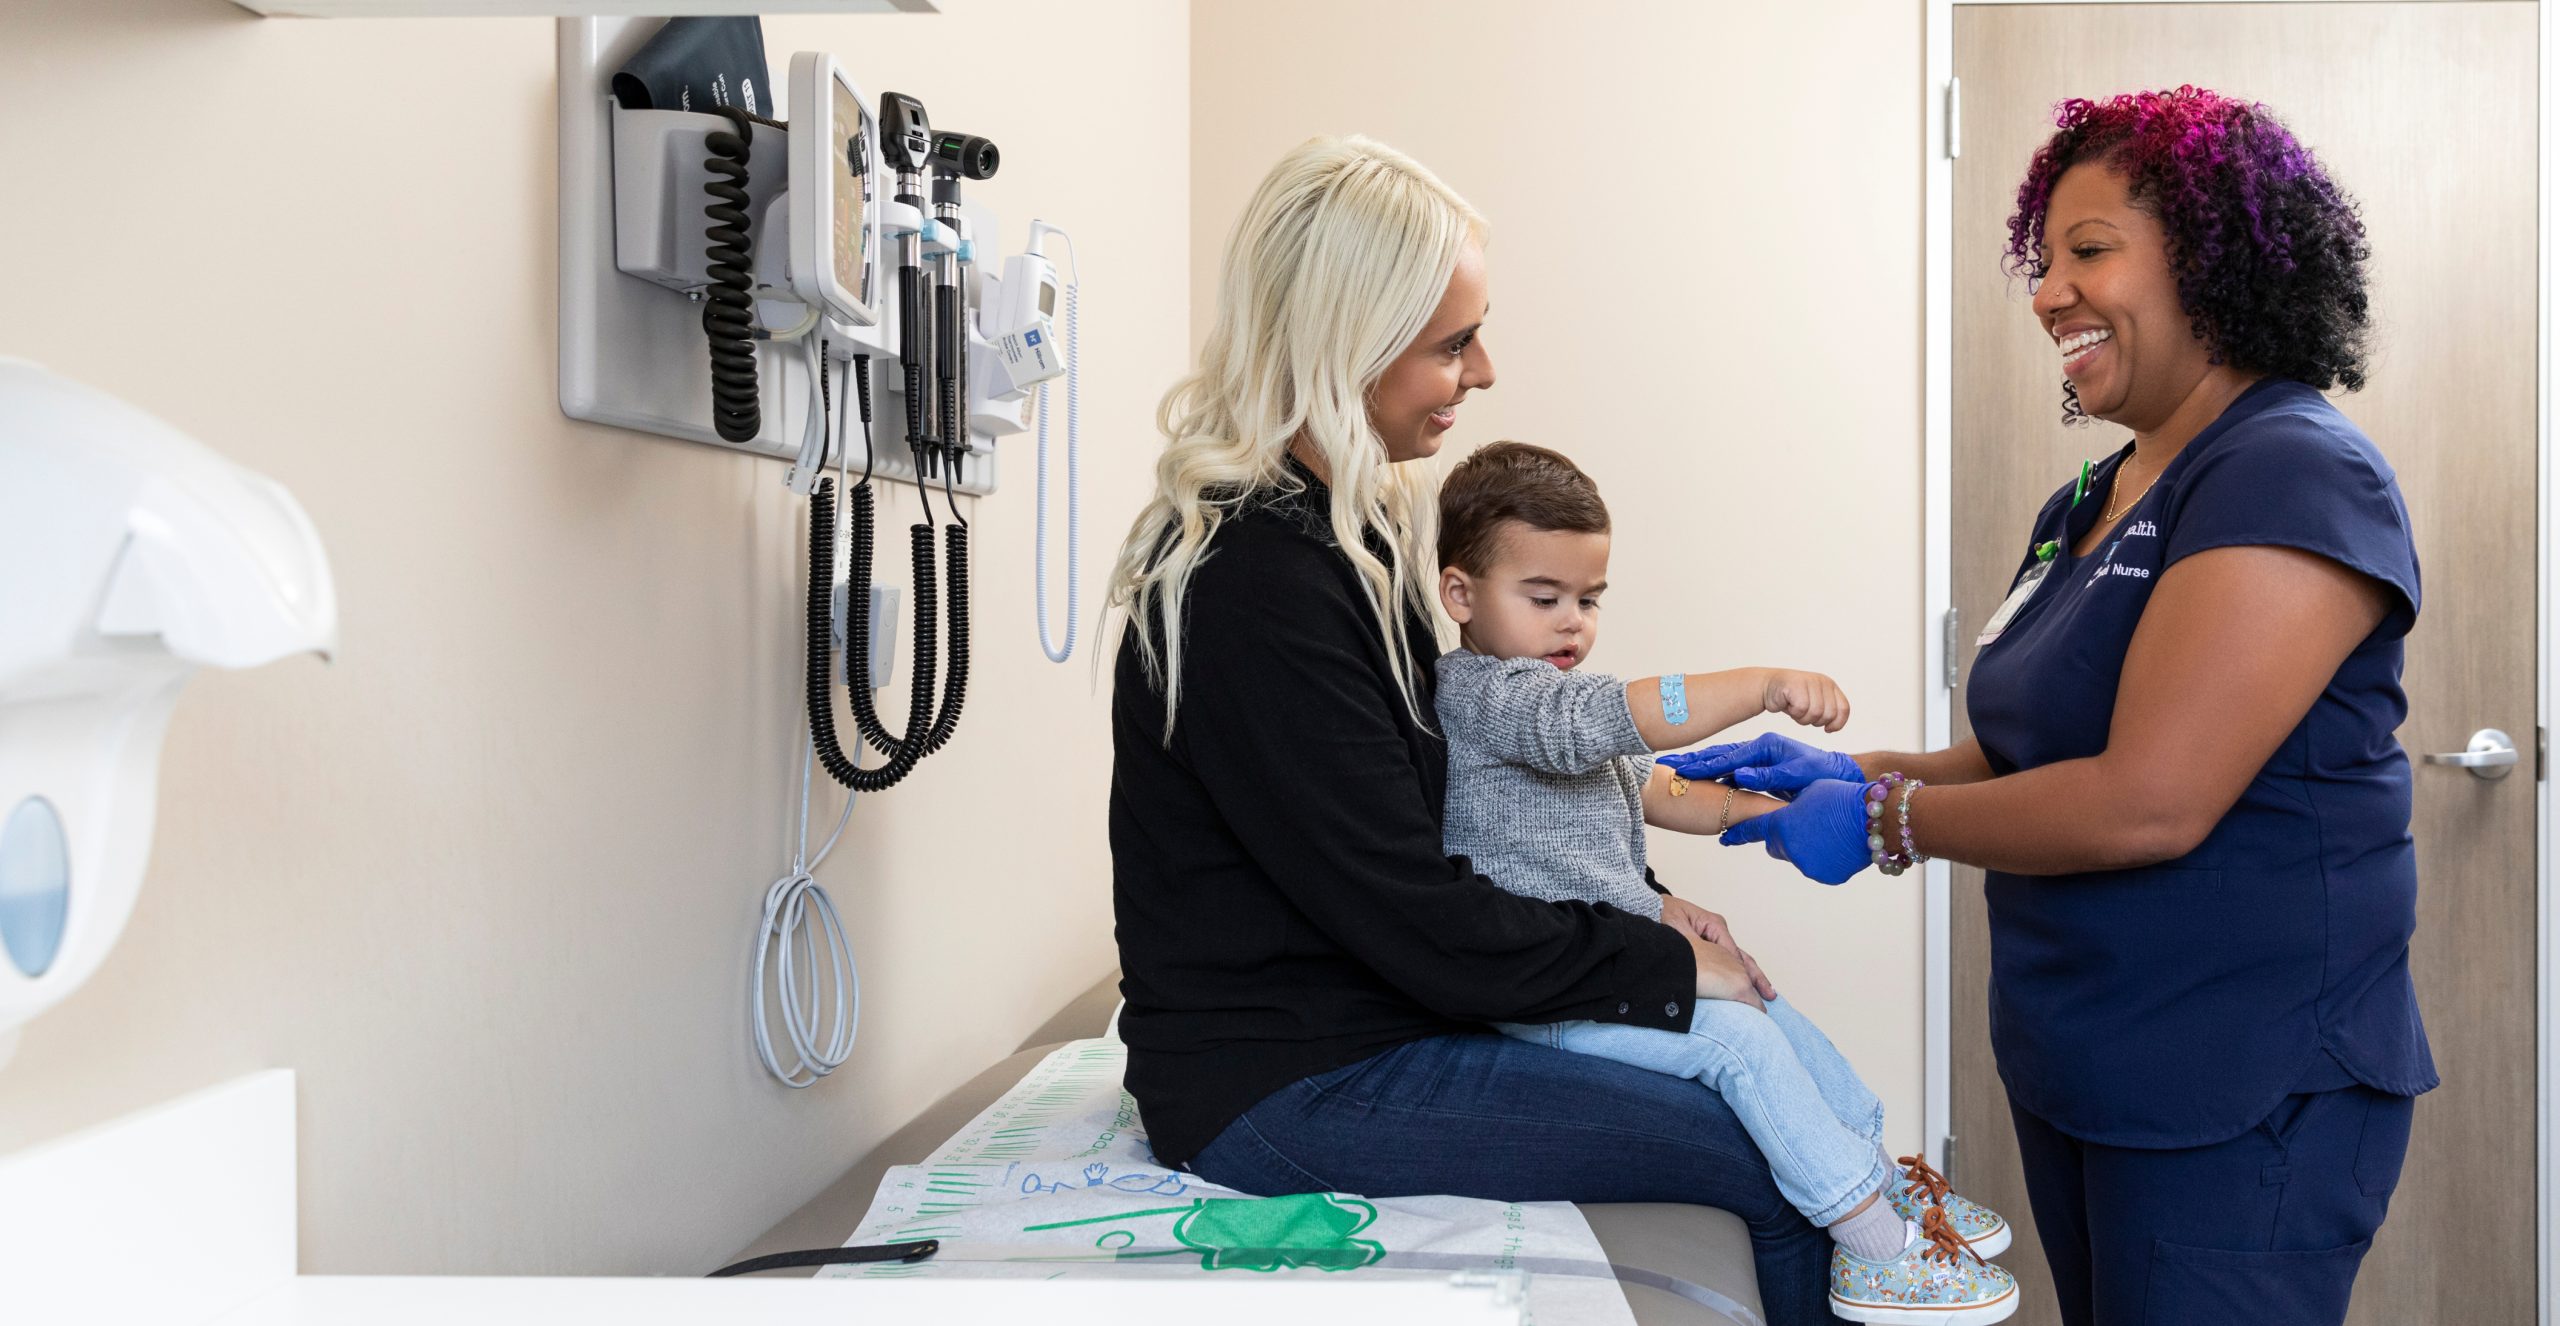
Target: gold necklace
(2115,489)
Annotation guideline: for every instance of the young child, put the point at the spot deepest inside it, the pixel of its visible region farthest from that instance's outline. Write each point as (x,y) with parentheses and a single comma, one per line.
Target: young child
(1551,785)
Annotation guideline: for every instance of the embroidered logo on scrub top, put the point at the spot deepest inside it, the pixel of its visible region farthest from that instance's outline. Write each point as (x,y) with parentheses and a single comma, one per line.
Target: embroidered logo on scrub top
(2107,564)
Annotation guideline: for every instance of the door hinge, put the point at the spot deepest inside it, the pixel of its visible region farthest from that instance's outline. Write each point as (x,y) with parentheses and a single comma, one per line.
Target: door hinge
(1947,1157)
(1948,635)
(1955,118)
(2541,750)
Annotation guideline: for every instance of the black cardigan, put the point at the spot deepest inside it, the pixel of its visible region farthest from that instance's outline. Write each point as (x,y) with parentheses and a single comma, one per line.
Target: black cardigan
(1283,904)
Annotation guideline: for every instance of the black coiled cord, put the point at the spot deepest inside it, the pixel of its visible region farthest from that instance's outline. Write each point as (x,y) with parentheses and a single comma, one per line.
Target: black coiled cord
(904,751)
(728,310)
(955,692)
(862,381)
(955,689)
(920,434)
(925,444)
(958,445)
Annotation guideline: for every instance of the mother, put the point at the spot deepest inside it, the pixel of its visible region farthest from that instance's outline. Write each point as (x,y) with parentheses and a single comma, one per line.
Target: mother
(1307,974)
(2183,779)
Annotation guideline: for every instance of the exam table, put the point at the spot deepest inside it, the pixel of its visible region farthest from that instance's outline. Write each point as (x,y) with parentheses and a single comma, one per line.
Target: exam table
(1678,1244)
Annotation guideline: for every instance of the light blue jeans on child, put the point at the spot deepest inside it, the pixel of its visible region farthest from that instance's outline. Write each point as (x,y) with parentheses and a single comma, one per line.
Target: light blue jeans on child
(1819,1126)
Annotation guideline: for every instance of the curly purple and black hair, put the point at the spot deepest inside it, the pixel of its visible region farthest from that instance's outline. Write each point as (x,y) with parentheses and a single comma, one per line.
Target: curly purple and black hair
(2269,253)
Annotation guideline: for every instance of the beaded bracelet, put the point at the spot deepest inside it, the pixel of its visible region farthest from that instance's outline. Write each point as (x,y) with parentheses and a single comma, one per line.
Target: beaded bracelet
(1888,861)
(1910,850)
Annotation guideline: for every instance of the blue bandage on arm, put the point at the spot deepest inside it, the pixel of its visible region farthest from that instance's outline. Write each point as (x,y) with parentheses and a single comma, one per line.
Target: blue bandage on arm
(1675,698)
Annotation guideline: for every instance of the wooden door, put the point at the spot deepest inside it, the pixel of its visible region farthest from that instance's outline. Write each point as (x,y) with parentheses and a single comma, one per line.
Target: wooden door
(2426,112)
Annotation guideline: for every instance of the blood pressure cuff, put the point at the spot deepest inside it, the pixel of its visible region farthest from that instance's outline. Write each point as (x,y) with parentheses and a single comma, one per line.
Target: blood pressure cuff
(699,63)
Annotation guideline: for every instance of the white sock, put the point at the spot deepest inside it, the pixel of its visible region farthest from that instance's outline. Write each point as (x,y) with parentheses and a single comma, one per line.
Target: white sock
(1877,1233)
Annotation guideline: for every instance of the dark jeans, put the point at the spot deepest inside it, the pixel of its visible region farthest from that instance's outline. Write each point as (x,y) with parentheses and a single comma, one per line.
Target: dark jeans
(1485,1116)
(2265,1229)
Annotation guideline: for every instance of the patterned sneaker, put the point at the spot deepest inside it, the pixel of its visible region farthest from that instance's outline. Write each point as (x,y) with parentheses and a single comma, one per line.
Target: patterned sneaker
(1936,1280)
(1979,1226)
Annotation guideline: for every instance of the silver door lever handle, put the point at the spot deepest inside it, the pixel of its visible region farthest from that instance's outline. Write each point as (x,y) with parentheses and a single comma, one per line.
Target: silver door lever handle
(2490,756)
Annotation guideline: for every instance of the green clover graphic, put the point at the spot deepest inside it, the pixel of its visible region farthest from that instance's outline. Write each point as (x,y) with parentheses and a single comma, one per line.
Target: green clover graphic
(1257,1233)
(1268,1233)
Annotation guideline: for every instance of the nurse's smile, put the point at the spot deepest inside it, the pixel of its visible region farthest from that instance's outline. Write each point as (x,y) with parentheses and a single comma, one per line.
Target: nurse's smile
(2081,347)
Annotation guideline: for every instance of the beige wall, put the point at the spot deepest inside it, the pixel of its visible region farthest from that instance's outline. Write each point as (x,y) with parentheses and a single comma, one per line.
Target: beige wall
(1706,288)
(489,882)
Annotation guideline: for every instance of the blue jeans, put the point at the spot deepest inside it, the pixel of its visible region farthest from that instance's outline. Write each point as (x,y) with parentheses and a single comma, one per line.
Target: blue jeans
(1485,1116)
(1819,1126)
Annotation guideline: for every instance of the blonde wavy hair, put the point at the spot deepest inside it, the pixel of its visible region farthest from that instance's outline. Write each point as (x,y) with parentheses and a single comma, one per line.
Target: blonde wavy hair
(1334,269)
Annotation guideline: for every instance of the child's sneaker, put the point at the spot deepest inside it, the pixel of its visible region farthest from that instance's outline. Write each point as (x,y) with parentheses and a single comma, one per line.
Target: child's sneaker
(1923,1187)
(1936,1280)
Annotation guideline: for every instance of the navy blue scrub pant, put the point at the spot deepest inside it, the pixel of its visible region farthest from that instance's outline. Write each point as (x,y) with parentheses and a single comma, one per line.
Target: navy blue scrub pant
(2265,1229)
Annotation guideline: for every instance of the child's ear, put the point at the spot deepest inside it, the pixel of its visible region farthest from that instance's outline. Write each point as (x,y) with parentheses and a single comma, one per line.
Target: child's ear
(1457,595)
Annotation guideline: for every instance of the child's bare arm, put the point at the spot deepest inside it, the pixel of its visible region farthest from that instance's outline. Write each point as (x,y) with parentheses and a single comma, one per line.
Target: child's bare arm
(1700,808)
(1718,700)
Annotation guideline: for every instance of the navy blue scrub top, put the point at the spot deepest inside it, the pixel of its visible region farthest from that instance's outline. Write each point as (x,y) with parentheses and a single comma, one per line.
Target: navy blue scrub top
(2176,1005)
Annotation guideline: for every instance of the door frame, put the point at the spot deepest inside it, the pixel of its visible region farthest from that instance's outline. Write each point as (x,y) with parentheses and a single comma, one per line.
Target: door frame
(1937,381)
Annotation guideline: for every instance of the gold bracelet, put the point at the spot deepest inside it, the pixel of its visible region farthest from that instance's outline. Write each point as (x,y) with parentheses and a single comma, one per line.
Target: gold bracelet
(1725,821)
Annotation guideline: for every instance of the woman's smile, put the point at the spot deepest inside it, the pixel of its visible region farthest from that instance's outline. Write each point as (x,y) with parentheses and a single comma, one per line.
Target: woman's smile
(2082,349)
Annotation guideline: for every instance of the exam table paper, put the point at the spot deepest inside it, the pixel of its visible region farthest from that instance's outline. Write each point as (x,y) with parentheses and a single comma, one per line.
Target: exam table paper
(1056,1179)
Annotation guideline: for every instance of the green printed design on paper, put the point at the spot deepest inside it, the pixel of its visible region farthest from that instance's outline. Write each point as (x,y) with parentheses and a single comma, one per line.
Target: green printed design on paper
(1305,1230)
(1122,1120)
(1061,1085)
(1269,1233)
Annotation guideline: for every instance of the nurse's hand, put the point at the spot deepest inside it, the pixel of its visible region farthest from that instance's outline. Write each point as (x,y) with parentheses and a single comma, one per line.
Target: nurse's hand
(1767,763)
(1823,832)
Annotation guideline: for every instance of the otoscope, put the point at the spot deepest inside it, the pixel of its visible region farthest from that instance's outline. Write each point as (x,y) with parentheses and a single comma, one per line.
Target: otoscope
(955,157)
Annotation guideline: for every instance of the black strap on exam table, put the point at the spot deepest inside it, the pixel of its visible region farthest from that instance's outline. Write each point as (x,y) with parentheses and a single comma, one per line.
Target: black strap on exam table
(874,1252)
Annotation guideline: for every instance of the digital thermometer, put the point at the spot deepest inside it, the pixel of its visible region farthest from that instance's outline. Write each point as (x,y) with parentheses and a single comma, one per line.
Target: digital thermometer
(1023,324)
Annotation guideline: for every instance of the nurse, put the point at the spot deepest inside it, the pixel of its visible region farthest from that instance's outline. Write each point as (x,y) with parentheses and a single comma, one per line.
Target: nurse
(2183,780)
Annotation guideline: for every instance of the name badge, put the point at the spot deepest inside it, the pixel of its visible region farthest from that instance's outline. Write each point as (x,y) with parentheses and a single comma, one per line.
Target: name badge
(2017,599)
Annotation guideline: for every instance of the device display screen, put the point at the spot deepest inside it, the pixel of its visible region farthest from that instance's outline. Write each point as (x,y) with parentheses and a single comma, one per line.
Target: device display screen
(853,196)
(1048,300)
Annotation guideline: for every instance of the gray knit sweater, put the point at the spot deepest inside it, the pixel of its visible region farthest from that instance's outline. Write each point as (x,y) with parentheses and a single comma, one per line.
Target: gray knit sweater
(1546,780)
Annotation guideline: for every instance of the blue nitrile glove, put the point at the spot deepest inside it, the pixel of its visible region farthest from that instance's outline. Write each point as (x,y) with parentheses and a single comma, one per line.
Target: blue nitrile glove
(1823,832)
(1767,763)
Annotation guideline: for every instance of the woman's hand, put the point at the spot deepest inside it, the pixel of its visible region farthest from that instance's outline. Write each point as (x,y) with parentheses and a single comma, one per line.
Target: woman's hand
(1721,975)
(1767,763)
(1823,832)
(1807,697)
(1691,919)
